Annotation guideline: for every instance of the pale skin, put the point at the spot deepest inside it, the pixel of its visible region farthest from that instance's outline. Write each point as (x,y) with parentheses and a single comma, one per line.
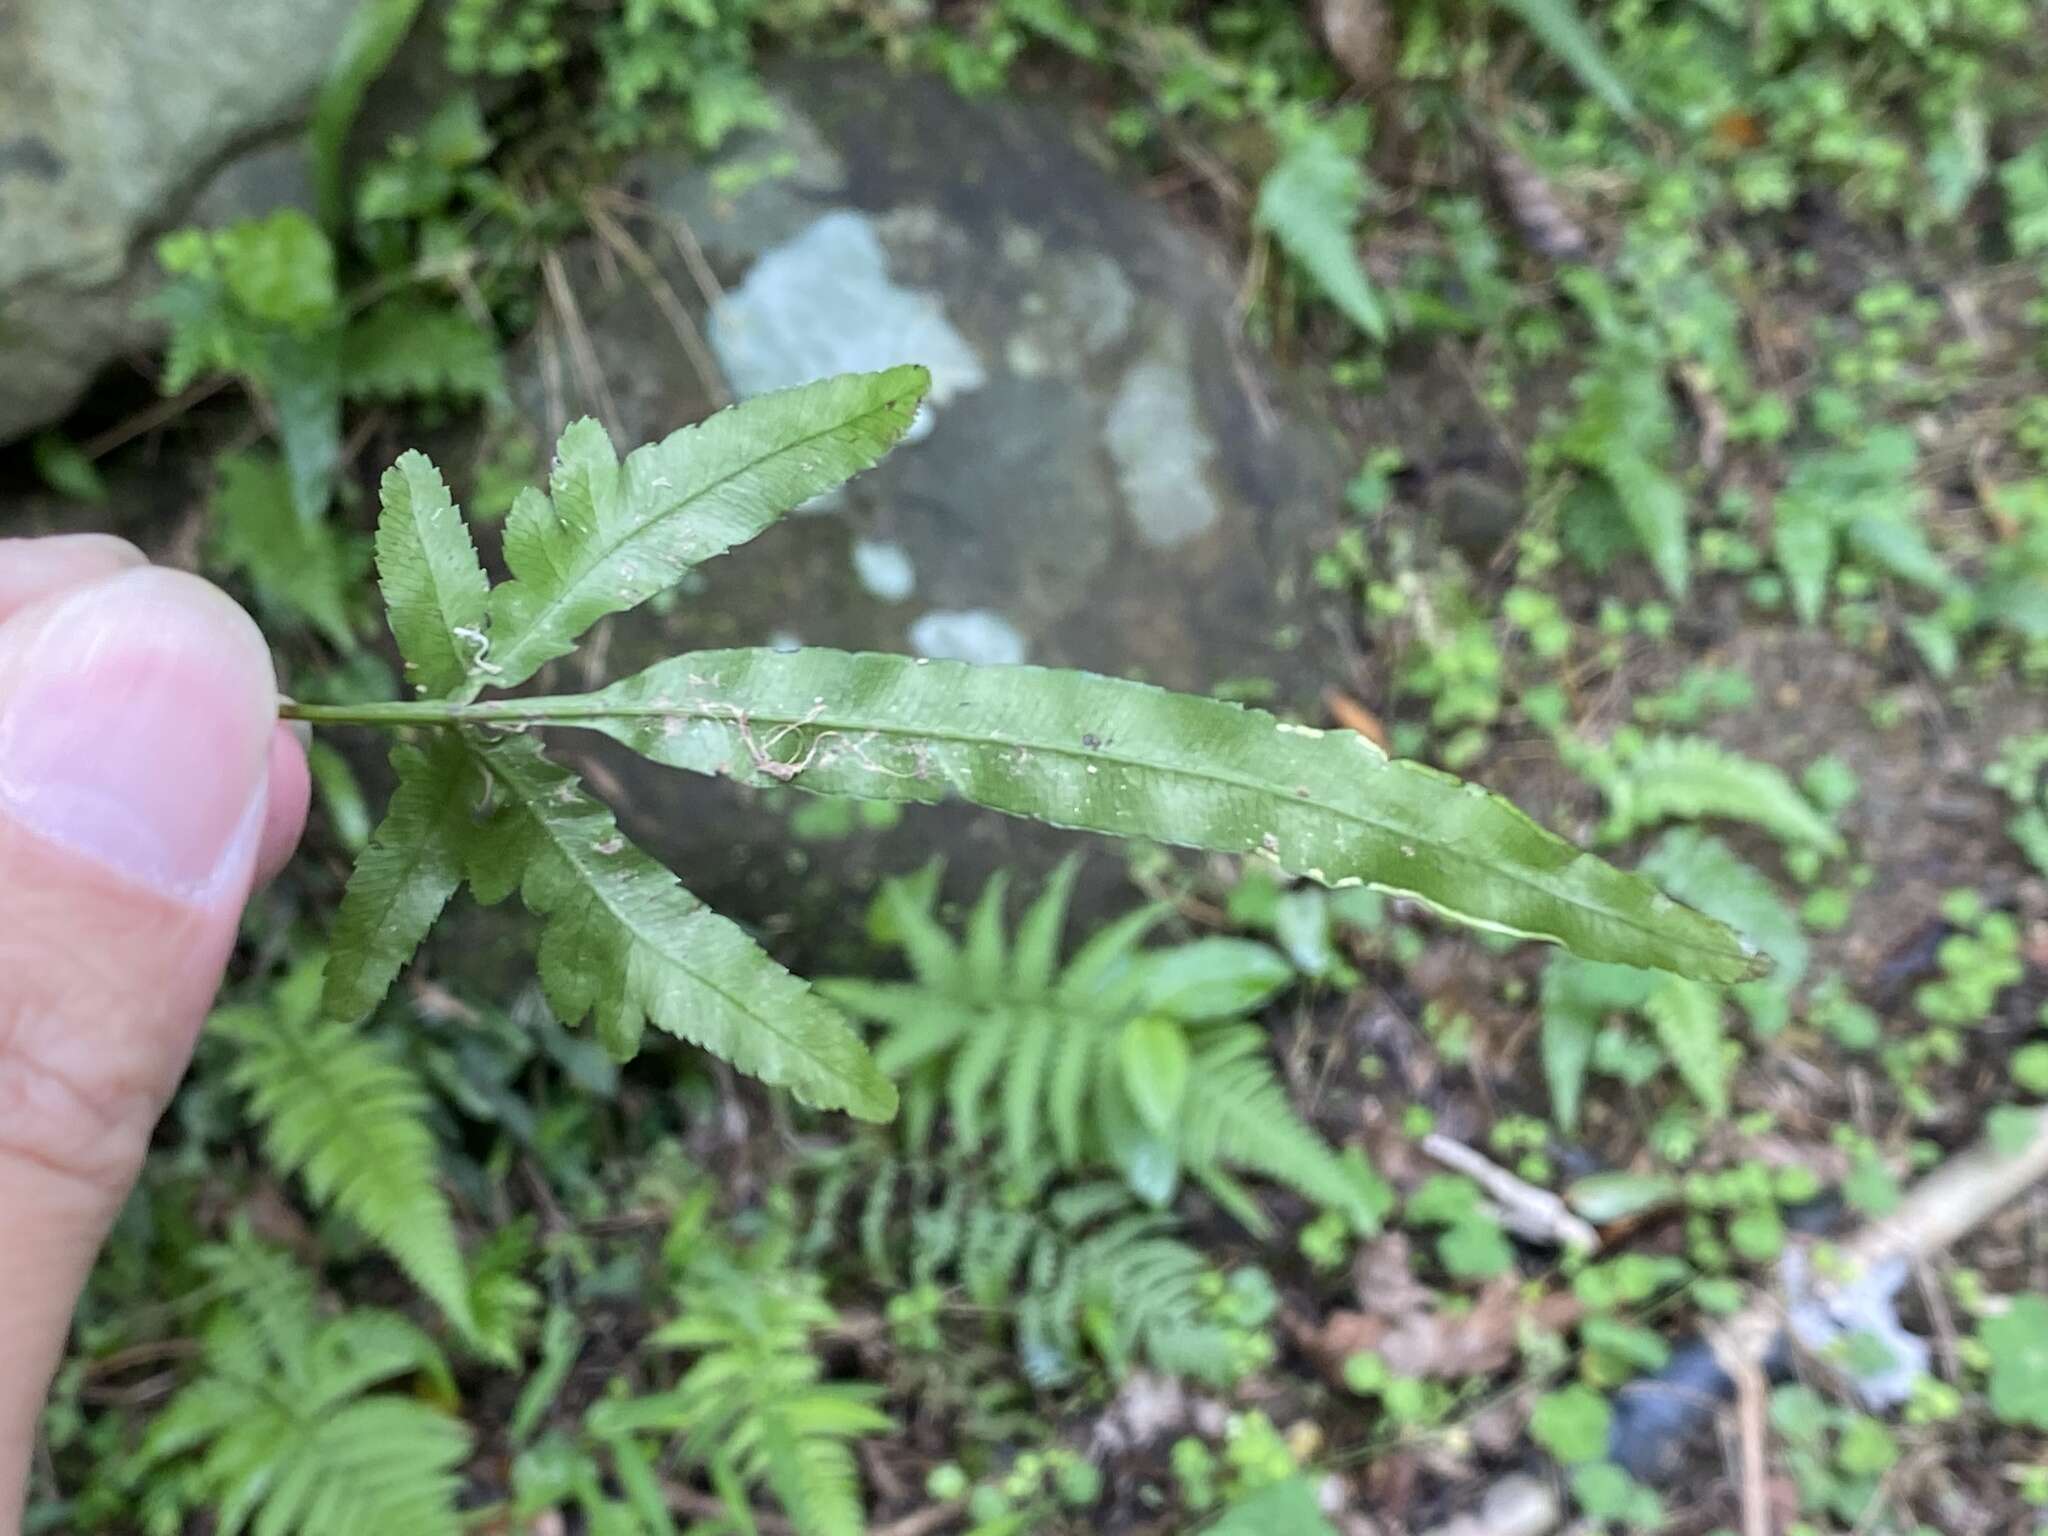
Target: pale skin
(146,788)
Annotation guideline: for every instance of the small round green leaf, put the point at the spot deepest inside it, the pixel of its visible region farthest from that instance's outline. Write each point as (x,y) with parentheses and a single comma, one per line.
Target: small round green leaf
(1572,1424)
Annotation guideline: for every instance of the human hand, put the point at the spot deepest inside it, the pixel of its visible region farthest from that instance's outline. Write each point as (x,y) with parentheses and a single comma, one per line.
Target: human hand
(145,788)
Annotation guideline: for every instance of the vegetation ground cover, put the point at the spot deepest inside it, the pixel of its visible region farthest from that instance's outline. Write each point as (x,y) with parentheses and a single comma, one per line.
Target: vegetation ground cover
(1692,360)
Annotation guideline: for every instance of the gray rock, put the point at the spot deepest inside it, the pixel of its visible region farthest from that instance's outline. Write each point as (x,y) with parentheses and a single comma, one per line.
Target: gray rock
(116,118)
(975,635)
(824,303)
(1106,477)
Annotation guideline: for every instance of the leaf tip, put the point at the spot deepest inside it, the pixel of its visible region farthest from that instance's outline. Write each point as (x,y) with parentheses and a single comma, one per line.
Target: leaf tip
(872,1098)
(914,379)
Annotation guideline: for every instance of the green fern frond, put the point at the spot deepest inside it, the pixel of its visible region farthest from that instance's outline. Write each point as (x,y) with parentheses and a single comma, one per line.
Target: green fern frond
(752,1409)
(1576,1001)
(1035,958)
(811,1471)
(1237,1115)
(1129,1058)
(1690,778)
(1691,1026)
(610,535)
(301,571)
(1706,872)
(1580,997)
(282,1433)
(344,1115)
(1083,1273)
(624,943)
(1556,24)
(1310,202)
(258,299)
(2021,772)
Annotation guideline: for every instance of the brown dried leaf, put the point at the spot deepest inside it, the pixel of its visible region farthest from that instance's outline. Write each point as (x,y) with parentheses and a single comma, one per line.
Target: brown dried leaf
(1384,1274)
(1438,1342)
(1354,716)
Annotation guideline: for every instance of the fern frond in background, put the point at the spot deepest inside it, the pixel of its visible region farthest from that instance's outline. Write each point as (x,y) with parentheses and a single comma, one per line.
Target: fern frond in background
(281,1431)
(2022,773)
(1127,1059)
(310,570)
(1863,499)
(1582,1000)
(412,347)
(1082,1272)
(1691,778)
(1556,24)
(1309,202)
(753,1409)
(342,1113)
(1621,432)
(259,301)
(1701,869)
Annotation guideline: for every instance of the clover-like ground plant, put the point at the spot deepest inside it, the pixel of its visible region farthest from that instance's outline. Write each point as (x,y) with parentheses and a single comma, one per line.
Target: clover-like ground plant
(479,800)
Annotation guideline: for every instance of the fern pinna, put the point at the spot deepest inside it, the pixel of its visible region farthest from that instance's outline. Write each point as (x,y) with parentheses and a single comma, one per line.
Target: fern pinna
(1139,1061)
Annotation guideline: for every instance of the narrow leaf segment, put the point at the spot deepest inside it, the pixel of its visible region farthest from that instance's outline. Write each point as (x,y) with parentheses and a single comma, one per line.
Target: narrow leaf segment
(1107,755)
(625,943)
(403,879)
(616,534)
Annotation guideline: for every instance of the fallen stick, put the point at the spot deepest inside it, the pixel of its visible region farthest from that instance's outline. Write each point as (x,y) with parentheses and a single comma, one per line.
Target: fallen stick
(1750,1410)
(1946,1206)
(1953,1201)
(1527,1211)
(1942,1208)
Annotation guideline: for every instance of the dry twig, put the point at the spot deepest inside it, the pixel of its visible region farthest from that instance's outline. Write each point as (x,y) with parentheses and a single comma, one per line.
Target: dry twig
(1941,1209)
(1527,1211)
(582,352)
(629,250)
(1750,1391)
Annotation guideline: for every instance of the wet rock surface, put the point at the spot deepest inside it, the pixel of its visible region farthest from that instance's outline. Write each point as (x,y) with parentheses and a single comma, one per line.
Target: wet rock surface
(1105,477)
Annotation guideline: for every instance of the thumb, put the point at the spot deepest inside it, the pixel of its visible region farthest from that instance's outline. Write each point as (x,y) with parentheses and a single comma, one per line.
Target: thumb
(136,721)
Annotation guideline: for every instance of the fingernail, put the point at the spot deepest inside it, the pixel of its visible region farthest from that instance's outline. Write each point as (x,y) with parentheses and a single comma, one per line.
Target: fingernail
(31,568)
(135,721)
